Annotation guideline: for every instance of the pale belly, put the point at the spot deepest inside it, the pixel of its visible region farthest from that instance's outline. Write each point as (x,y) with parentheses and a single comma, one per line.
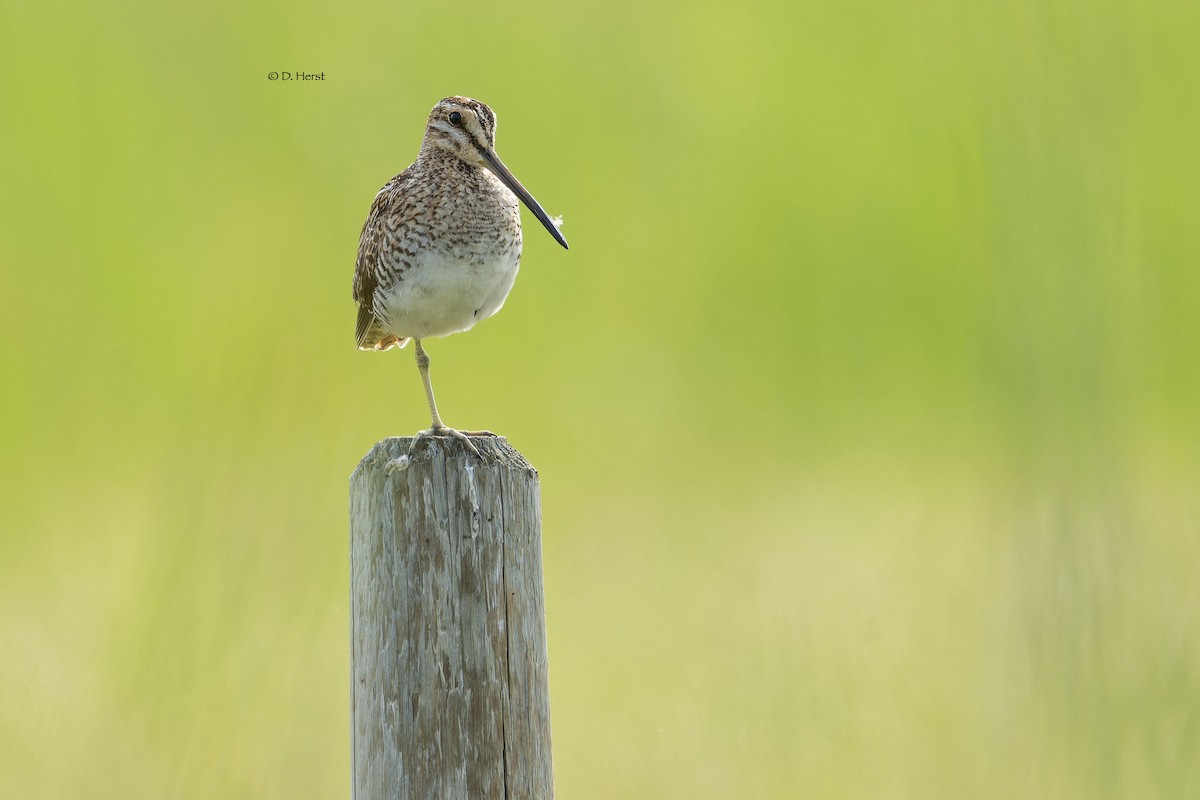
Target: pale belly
(444,294)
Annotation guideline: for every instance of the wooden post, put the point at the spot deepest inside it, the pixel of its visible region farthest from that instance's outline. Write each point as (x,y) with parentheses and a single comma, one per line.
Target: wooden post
(448,626)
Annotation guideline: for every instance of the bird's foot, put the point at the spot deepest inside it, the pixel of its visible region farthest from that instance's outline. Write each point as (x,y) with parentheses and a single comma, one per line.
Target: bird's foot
(463,436)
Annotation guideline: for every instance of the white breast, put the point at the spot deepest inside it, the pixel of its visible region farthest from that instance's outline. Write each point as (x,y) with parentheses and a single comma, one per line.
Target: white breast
(444,293)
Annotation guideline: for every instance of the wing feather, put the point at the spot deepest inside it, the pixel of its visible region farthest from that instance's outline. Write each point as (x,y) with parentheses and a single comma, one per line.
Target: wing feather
(371,275)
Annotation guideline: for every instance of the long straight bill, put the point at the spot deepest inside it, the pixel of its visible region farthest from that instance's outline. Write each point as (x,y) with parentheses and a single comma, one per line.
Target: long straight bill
(500,171)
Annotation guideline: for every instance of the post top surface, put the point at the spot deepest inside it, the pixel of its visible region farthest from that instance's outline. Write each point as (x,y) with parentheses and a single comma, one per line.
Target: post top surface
(494,451)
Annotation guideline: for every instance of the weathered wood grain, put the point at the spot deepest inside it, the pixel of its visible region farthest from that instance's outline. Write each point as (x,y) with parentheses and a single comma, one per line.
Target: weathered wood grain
(450,696)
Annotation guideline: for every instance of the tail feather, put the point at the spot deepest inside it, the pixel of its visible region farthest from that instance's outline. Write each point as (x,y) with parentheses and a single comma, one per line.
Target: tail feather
(370,335)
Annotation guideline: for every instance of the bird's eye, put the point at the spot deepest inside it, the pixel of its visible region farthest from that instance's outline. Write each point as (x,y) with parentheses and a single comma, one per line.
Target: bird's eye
(455,118)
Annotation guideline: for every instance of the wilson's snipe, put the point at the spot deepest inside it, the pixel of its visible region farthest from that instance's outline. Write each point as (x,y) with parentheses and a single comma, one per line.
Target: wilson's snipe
(442,242)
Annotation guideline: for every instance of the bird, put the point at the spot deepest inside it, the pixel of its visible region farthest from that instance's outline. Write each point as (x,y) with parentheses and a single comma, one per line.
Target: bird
(441,244)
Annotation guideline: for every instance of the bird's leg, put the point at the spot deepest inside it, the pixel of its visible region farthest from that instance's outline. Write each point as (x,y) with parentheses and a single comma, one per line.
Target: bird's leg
(437,427)
(423,366)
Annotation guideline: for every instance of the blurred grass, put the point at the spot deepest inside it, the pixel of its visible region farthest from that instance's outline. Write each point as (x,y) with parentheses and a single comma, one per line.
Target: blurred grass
(864,401)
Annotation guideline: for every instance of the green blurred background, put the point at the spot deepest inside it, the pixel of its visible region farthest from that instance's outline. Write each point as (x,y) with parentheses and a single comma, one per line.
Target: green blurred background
(865,401)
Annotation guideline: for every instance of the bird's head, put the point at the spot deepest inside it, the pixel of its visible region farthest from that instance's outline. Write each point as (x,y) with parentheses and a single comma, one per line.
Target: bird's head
(466,129)
(463,128)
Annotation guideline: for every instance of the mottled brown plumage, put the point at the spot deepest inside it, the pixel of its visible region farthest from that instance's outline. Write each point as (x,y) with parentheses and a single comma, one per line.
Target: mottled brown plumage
(442,242)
